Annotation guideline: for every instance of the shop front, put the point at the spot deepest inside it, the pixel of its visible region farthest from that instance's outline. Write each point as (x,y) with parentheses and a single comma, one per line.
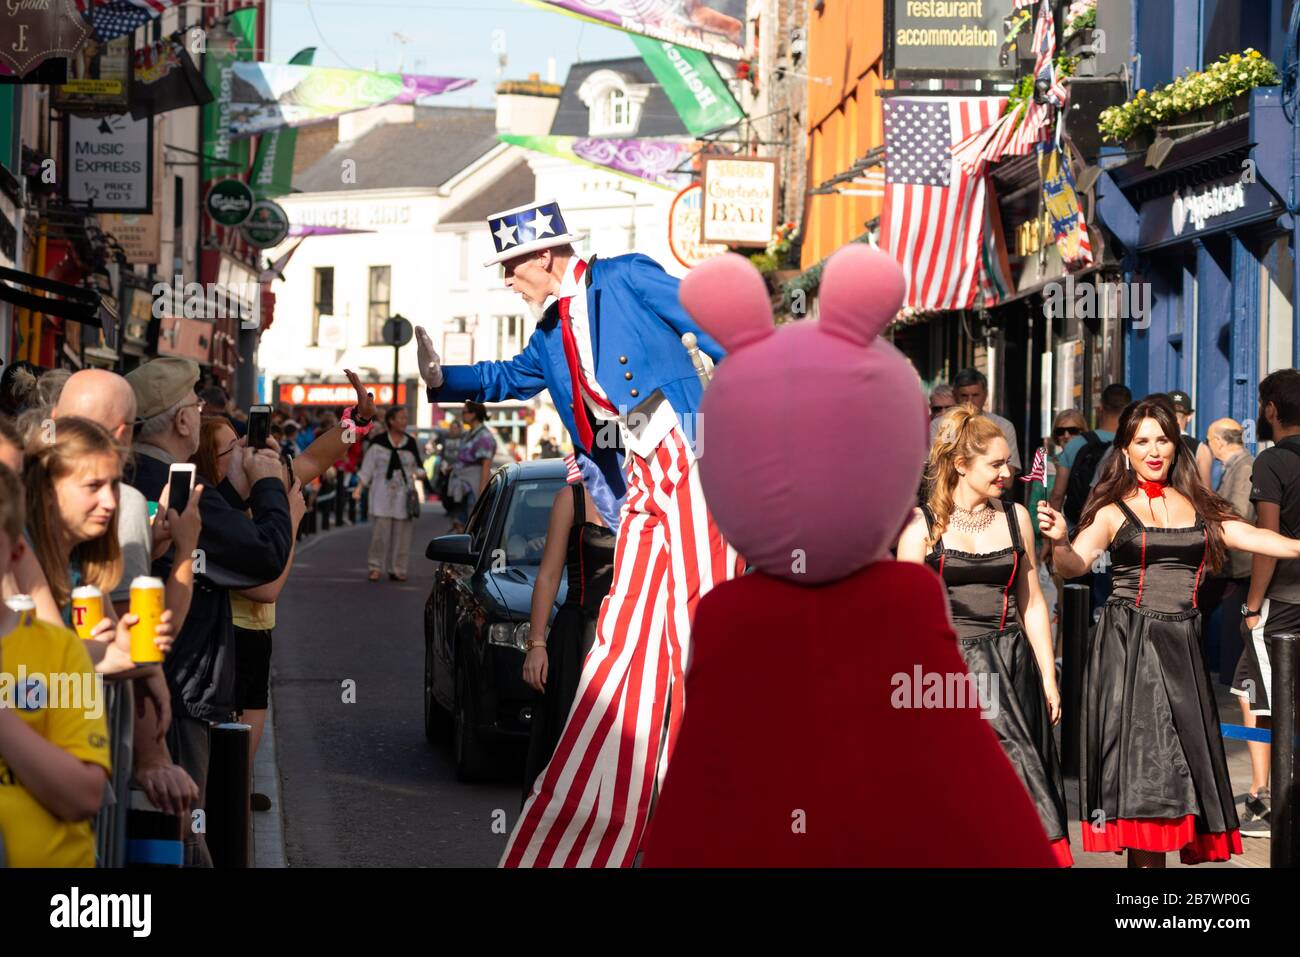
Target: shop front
(1213,249)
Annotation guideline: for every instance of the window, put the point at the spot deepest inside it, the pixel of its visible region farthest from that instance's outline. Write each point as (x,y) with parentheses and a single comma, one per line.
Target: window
(524,532)
(613,103)
(379,309)
(460,324)
(463,272)
(322,299)
(510,336)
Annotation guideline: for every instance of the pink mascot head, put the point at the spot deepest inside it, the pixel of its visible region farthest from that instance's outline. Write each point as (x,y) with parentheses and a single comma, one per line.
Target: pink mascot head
(814,434)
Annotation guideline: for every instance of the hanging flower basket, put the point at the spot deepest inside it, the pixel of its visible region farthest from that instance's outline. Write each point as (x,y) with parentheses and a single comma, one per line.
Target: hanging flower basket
(1219,89)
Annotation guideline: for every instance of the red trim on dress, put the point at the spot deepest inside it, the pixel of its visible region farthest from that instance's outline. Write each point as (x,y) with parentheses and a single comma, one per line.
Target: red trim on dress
(1061,851)
(1015,565)
(1142,573)
(1201,567)
(1163,835)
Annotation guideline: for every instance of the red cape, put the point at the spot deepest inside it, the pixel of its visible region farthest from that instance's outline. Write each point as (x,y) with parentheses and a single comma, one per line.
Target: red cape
(791,751)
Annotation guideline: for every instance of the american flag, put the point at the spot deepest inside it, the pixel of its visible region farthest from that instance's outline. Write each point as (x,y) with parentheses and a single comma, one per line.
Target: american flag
(1039,471)
(114,18)
(934,209)
(1018,131)
(572,473)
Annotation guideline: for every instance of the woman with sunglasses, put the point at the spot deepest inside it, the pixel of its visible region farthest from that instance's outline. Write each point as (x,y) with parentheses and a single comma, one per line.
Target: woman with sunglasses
(1067,425)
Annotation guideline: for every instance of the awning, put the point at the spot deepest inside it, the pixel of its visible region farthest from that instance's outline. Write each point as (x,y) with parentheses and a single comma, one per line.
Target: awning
(77,303)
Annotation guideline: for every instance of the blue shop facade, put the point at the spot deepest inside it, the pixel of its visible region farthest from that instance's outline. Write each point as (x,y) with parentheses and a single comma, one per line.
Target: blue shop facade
(1210,232)
(1208,220)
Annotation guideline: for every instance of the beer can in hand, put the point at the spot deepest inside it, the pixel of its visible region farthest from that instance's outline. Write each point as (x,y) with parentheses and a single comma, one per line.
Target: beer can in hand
(87,609)
(25,606)
(147,603)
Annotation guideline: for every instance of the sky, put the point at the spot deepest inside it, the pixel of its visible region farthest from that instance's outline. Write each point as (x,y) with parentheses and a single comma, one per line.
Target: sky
(443,38)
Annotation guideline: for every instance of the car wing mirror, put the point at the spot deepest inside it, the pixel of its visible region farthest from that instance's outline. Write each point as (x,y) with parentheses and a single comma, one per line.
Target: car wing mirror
(453,549)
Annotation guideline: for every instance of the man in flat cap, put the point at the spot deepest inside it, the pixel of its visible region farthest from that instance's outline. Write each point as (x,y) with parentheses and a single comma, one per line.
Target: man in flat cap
(609,349)
(245,542)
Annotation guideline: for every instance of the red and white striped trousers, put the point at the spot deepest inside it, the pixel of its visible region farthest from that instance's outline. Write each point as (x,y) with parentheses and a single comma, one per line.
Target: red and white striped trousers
(590,806)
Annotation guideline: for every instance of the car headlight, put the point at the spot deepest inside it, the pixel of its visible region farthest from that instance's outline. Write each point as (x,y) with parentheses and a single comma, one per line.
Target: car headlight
(510,634)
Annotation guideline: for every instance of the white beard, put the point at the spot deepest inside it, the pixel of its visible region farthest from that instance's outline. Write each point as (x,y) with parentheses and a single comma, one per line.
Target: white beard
(536,310)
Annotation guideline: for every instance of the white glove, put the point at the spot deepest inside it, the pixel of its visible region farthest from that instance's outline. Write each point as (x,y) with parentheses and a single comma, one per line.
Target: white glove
(429,363)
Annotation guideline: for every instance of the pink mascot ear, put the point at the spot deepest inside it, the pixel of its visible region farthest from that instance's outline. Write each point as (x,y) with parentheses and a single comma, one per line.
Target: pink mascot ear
(729,300)
(861,292)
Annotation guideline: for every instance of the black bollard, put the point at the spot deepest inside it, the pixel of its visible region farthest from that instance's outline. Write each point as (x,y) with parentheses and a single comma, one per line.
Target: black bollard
(1285,836)
(154,839)
(229,787)
(1076,619)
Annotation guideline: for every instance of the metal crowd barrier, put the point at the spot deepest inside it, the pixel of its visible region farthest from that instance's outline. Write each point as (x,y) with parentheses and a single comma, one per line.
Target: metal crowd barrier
(111,821)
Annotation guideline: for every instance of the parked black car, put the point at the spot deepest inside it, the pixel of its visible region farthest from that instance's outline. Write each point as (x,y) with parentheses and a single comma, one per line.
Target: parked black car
(476,617)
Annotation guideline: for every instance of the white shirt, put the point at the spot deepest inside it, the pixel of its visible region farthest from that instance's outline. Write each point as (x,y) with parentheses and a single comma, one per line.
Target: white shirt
(649,428)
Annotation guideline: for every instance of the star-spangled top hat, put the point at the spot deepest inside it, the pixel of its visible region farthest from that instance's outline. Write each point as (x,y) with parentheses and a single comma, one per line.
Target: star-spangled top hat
(526,229)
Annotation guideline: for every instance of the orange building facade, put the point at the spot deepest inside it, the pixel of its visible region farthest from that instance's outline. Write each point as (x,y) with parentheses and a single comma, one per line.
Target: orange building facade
(844,117)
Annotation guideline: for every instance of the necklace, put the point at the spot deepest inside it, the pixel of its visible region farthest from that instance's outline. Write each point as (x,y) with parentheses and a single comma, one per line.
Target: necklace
(969,520)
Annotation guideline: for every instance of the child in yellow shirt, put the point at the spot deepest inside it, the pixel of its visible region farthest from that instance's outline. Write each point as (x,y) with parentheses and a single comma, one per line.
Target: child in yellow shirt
(54,753)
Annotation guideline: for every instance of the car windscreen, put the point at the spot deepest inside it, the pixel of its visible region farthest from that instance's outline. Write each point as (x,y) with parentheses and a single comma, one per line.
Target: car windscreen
(523,536)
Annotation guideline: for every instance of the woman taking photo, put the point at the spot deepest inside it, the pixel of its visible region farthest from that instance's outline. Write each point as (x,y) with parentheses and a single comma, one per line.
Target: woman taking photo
(978,545)
(390,469)
(1153,775)
(580,545)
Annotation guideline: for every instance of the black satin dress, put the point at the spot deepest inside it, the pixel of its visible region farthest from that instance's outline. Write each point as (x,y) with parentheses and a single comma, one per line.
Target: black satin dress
(982,598)
(589,565)
(1154,775)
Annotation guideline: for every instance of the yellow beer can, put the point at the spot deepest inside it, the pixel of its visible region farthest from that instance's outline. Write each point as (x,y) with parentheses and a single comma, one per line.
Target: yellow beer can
(148,601)
(87,609)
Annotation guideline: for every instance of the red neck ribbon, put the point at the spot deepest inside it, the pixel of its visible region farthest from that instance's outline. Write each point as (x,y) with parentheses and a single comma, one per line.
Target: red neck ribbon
(1153,489)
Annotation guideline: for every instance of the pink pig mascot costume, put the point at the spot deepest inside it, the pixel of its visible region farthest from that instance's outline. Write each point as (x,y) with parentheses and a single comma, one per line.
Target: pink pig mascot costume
(802,730)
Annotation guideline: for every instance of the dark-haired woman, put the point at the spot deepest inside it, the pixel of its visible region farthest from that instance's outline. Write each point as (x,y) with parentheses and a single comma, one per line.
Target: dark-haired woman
(1154,777)
(982,548)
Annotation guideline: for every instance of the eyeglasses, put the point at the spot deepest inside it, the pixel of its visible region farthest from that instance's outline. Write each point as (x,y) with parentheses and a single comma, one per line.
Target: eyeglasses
(936,409)
(196,404)
(1068,430)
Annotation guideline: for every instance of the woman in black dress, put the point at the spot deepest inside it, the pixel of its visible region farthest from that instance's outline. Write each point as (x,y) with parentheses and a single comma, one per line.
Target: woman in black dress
(1154,776)
(977,545)
(577,541)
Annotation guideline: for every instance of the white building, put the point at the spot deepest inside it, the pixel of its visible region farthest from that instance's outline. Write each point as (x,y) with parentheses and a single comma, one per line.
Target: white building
(418,183)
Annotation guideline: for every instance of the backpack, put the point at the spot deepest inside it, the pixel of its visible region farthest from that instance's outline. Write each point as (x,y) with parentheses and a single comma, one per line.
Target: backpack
(1081,473)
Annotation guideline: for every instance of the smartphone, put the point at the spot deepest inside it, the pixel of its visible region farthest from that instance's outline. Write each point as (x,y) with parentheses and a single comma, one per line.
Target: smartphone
(180,481)
(259,426)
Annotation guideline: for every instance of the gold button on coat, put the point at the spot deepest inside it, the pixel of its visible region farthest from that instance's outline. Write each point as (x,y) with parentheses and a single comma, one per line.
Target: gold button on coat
(627,375)
(635,393)
(623,360)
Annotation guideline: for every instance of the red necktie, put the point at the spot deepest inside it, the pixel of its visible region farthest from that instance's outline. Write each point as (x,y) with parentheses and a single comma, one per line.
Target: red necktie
(579,381)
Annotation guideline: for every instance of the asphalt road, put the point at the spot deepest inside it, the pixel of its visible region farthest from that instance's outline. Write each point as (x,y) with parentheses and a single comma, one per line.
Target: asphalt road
(360,785)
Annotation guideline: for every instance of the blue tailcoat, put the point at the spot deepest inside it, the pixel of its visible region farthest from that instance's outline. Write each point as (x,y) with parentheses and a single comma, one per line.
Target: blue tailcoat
(637,324)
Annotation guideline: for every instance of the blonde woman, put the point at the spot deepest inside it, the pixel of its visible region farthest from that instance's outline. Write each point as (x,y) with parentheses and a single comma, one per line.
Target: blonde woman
(982,549)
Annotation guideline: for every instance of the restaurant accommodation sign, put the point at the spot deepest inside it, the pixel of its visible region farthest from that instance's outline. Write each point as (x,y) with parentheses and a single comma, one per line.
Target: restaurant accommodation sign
(739,200)
(946,37)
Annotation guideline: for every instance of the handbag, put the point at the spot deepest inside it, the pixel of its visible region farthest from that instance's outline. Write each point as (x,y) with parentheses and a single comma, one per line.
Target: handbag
(412,497)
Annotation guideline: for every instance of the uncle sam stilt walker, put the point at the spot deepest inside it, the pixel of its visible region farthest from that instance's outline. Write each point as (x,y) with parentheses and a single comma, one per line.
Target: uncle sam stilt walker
(609,350)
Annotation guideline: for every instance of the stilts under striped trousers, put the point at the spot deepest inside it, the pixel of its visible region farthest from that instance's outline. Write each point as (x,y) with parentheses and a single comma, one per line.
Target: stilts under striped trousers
(590,806)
